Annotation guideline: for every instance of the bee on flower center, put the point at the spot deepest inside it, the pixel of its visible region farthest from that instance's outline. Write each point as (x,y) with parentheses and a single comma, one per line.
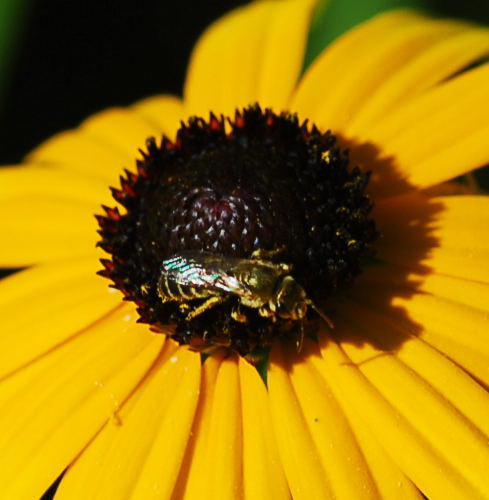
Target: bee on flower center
(259,284)
(185,249)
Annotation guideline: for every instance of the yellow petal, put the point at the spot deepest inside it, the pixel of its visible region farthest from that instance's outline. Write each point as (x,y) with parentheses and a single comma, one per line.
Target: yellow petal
(446,235)
(437,99)
(76,151)
(376,61)
(342,461)
(449,313)
(109,141)
(470,399)
(81,479)
(463,149)
(225,444)
(263,475)
(283,52)
(110,464)
(438,62)
(46,305)
(463,353)
(451,188)
(164,458)
(389,479)
(121,129)
(380,335)
(458,442)
(194,467)
(389,279)
(334,74)
(164,112)
(36,180)
(452,327)
(140,456)
(214,450)
(453,116)
(38,229)
(428,462)
(300,457)
(49,421)
(226,63)
(254,54)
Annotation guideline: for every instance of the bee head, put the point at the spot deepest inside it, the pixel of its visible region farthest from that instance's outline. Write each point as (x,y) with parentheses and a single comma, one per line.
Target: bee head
(290,300)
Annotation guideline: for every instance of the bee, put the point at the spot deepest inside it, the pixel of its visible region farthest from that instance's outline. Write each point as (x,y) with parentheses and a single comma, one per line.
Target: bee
(259,284)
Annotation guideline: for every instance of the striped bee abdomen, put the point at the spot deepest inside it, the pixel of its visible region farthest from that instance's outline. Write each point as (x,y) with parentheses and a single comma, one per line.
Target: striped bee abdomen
(182,278)
(169,289)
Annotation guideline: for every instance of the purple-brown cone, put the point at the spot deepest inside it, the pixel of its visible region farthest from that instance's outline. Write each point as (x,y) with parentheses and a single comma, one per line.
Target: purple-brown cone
(260,181)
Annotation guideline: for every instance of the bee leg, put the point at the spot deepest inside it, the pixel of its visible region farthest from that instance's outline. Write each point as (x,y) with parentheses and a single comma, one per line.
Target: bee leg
(259,253)
(300,340)
(239,316)
(285,268)
(265,311)
(183,306)
(208,304)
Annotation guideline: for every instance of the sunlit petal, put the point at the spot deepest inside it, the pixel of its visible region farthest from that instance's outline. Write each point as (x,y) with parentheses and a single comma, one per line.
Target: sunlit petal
(49,420)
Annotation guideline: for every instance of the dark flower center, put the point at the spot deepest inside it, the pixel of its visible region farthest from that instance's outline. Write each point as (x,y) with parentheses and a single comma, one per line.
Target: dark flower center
(225,190)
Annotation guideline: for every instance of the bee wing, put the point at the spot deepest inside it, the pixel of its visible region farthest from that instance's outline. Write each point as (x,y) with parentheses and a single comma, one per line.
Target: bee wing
(209,271)
(231,284)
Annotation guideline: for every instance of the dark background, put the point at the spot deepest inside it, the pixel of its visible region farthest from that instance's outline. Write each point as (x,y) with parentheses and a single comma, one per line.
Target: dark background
(72,58)
(75,57)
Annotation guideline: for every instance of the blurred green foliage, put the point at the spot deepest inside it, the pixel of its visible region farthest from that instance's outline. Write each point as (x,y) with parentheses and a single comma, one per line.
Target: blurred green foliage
(334,17)
(11,14)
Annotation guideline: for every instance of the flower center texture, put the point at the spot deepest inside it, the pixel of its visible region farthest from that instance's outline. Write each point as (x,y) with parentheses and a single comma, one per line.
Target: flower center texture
(232,234)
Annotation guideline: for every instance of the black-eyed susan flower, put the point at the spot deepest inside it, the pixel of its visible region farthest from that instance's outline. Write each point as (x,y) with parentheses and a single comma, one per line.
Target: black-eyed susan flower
(390,403)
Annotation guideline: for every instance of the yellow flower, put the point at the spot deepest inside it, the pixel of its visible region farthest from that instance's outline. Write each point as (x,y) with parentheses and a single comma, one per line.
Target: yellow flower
(390,404)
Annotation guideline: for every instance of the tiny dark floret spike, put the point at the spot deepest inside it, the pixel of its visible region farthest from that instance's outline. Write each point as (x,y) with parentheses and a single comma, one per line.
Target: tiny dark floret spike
(264,182)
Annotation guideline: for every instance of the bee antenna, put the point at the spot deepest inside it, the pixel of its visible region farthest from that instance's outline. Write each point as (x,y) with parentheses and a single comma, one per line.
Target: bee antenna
(323,316)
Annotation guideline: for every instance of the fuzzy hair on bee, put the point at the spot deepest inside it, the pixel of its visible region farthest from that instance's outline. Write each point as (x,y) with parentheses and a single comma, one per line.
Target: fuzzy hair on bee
(259,284)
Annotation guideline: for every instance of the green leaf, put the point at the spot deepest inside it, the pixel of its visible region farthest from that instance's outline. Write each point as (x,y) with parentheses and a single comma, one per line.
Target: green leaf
(10,18)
